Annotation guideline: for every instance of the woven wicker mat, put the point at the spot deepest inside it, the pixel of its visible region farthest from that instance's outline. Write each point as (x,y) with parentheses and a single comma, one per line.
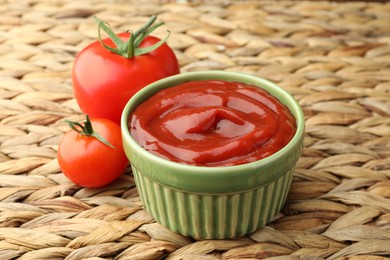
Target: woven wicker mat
(333,57)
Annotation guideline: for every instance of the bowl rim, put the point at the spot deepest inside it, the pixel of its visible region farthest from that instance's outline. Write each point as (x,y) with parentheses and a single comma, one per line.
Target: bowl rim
(207,173)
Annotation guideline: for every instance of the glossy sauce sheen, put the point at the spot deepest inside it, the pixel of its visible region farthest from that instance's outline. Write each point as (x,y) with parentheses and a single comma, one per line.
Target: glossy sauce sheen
(212,123)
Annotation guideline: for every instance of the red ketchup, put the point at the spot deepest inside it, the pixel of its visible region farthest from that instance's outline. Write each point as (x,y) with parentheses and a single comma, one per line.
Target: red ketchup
(212,123)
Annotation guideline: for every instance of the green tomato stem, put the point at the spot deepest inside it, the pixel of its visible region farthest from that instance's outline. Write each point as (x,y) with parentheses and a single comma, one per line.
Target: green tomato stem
(130,48)
(87,130)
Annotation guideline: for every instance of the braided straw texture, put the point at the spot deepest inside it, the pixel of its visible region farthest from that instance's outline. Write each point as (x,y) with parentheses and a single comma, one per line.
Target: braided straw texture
(333,57)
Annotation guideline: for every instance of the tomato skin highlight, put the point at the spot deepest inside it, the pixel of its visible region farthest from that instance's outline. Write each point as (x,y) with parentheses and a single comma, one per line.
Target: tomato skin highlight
(87,161)
(103,81)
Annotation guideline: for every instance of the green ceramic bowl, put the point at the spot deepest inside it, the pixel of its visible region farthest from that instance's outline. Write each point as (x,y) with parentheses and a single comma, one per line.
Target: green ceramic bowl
(213,202)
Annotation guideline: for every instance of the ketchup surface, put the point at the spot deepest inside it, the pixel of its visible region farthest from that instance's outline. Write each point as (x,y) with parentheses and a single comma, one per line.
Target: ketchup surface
(212,123)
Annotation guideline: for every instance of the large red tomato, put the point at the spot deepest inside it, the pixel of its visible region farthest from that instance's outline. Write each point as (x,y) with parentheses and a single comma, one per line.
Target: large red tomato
(108,72)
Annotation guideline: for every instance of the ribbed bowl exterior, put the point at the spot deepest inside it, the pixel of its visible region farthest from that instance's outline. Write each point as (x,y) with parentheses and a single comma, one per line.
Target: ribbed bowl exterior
(213,202)
(213,216)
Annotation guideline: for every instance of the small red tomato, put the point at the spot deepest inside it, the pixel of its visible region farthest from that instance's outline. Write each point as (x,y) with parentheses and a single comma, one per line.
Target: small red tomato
(92,155)
(108,72)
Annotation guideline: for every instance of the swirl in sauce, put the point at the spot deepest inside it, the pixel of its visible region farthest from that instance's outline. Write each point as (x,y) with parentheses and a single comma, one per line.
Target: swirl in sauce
(212,123)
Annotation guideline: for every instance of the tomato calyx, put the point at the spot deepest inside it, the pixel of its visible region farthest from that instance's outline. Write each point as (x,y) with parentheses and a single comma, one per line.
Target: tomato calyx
(130,48)
(87,130)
